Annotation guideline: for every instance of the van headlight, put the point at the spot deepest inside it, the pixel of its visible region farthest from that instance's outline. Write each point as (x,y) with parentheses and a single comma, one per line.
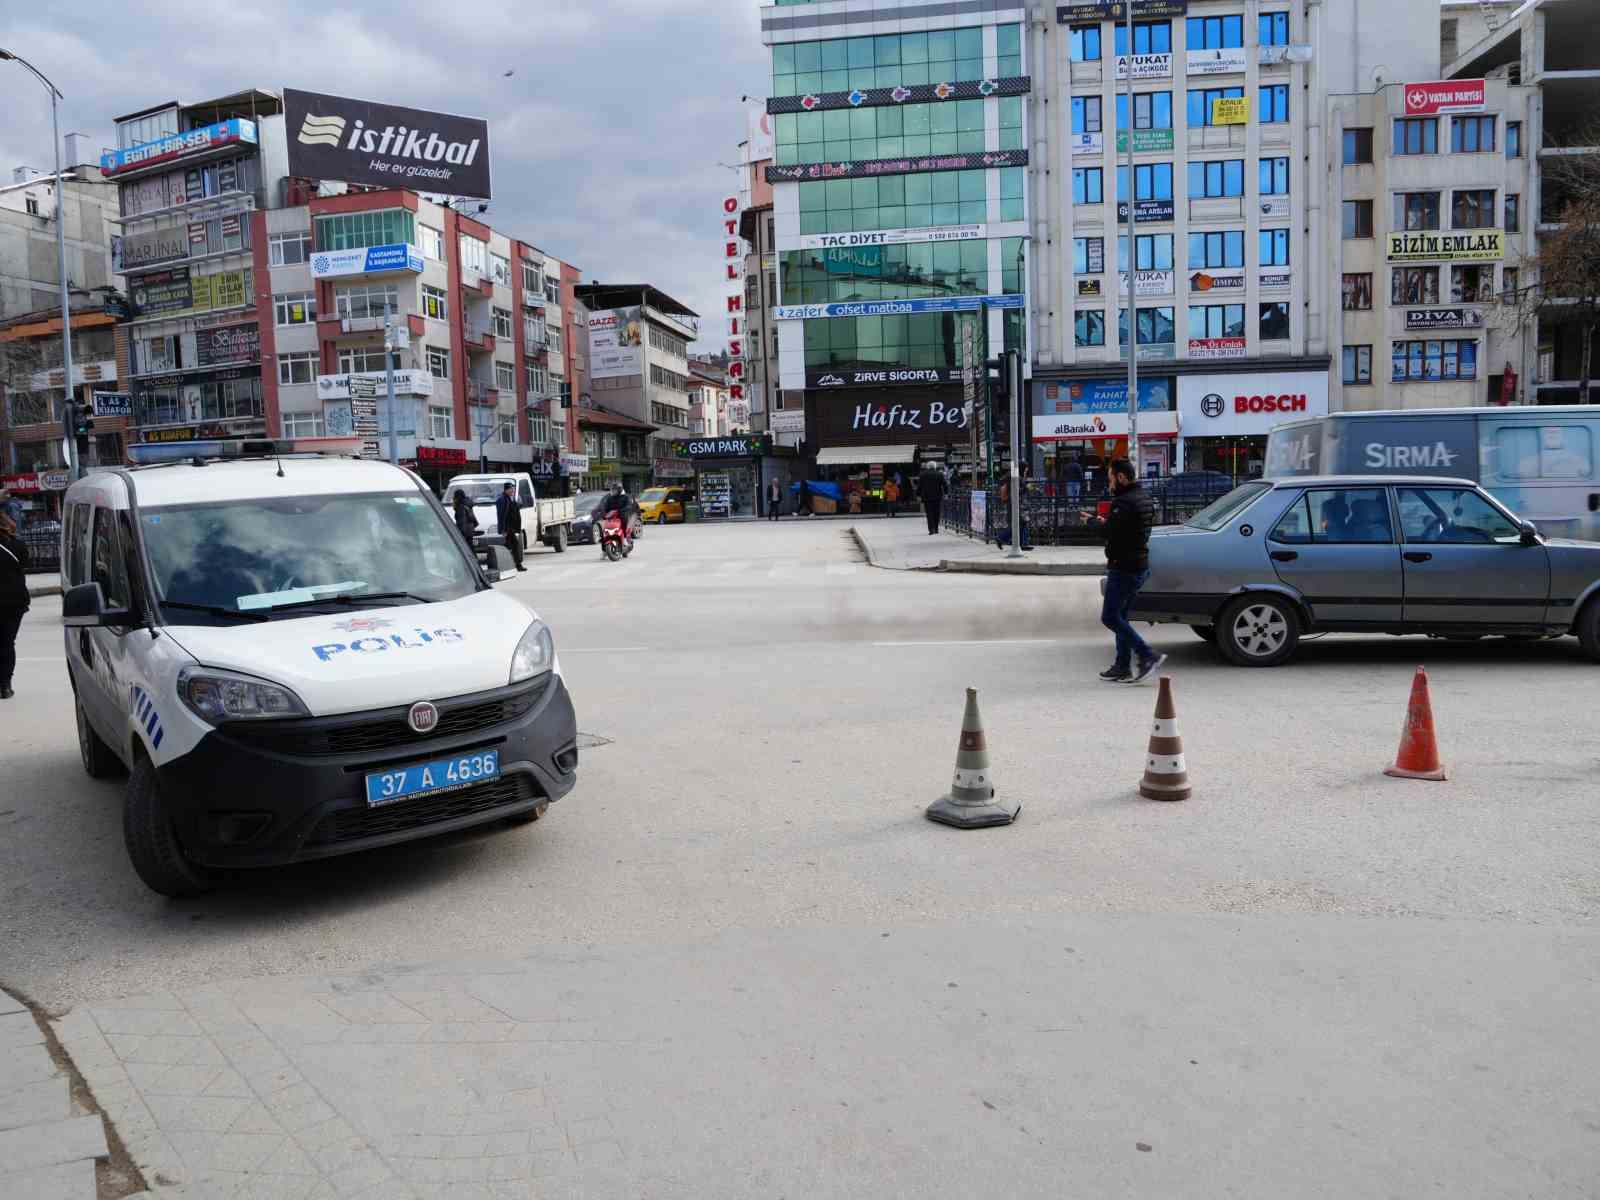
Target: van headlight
(535,655)
(216,696)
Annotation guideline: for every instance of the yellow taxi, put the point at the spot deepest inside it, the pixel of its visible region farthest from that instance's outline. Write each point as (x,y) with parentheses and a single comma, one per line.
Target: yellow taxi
(659,505)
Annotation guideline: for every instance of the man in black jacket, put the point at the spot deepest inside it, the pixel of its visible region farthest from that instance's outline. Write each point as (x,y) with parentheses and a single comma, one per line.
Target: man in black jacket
(13,598)
(509,514)
(931,488)
(1127,530)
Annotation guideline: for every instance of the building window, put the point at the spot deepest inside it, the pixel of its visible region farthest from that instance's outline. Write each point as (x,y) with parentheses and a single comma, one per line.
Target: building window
(294,308)
(948,127)
(1089,327)
(553,336)
(1210,179)
(1416,135)
(500,322)
(1151,181)
(1414,285)
(532,279)
(438,362)
(500,269)
(367,299)
(1152,252)
(1157,326)
(474,255)
(608,445)
(1274,176)
(552,288)
(1357,146)
(1357,219)
(1214,33)
(674,346)
(297,368)
(662,377)
(1273,245)
(1513,139)
(351,231)
(907,201)
(1086,114)
(362,359)
(1274,104)
(1224,248)
(1472,209)
(302,425)
(505,376)
(1149,37)
(435,303)
(440,424)
(31,203)
(1088,255)
(1472,284)
(1416,210)
(536,381)
(1452,359)
(1509,281)
(431,241)
(1151,110)
(1275,321)
(1513,212)
(1085,43)
(1088,185)
(1272,29)
(1357,291)
(1201,99)
(1356,364)
(840,64)
(1471,135)
(1215,321)
(287,249)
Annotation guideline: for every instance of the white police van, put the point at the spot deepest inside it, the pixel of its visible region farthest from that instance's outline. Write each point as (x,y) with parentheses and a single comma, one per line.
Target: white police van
(297,656)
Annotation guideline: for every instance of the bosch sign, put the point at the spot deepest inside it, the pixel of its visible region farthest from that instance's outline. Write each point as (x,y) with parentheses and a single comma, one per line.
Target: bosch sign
(1247,404)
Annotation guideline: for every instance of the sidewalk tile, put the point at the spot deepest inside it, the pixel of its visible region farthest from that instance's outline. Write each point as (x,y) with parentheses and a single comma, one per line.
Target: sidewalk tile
(42,1100)
(10,1004)
(61,1181)
(146,1022)
(25,1064)
(20,1029)
(53,1142)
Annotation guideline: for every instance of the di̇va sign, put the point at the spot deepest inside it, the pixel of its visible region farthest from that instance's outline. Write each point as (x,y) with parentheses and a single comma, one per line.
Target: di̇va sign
(362,141)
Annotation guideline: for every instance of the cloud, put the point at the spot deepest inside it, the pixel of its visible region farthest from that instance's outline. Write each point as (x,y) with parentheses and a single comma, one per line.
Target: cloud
(605,141)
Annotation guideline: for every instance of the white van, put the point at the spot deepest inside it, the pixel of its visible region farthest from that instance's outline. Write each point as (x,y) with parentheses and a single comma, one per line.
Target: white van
(296,657)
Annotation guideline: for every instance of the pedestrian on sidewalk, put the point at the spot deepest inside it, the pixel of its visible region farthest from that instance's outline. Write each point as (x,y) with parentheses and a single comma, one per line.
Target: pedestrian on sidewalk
(891,497)
(932,491)
(1127,531)
(13,599)
(509,513)
(466,519)
(1072,474)
(804,505)
(774,499)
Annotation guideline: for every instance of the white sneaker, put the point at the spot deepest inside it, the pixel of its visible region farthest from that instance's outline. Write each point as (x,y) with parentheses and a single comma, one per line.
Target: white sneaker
(1144,670)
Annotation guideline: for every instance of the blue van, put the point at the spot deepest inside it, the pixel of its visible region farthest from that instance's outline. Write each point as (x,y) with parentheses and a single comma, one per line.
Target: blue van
(1543,463)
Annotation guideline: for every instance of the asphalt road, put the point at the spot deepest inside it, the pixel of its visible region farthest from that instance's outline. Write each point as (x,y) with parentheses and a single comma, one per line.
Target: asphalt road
(769,718)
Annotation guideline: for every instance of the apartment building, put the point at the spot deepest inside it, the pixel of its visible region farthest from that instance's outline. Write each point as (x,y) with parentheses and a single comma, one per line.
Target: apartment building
(261,300)
(1227,271)
(900,204)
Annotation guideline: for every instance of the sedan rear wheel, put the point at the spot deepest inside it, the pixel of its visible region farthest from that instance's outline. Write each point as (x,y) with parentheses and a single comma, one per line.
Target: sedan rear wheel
(1588,629)
(1258,631)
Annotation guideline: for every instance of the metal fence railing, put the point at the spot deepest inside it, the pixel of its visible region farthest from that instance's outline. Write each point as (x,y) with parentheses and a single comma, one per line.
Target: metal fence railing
(1055,517)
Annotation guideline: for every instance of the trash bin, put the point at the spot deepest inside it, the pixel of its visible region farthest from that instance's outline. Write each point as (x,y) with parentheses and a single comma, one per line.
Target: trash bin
(691,512)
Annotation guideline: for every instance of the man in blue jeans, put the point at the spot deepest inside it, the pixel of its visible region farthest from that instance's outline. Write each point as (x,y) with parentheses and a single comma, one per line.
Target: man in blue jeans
(1127,530)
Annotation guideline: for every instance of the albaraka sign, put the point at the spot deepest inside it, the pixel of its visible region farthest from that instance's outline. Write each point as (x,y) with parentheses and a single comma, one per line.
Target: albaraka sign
(733,269)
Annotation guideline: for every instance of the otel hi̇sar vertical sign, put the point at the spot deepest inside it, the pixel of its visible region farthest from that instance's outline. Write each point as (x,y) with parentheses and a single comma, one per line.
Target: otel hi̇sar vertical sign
(733,278)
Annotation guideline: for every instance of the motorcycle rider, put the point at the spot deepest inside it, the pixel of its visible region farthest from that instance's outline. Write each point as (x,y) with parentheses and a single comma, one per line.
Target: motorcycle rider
(622,504)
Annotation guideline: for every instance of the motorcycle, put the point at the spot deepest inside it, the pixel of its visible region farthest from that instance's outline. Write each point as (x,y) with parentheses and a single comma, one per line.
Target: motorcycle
(614,540)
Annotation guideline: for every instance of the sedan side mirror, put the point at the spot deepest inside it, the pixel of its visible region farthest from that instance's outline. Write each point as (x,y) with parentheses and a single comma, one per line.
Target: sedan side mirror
(84,607)
(1530,533)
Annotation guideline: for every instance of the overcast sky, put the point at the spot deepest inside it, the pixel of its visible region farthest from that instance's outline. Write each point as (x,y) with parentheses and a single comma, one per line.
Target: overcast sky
(605,140)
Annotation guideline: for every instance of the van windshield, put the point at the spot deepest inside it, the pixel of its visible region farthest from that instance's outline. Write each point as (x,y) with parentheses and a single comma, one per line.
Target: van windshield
(255,556)
(477,491)
(1217,514)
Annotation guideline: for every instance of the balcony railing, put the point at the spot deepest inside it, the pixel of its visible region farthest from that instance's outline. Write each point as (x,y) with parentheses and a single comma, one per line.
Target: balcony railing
(482,394)
(480,338)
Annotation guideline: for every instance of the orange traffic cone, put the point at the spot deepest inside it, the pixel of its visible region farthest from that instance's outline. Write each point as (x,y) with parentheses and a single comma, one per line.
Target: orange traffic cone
(1166,772)
(1419,752)
(971,803)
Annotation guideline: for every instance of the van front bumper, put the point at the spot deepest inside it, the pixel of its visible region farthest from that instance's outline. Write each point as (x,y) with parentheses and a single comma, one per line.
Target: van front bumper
(265,793)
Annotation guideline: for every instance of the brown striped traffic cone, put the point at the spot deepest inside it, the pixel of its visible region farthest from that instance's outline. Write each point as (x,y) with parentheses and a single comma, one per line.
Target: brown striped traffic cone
(971,803)
(1166,774)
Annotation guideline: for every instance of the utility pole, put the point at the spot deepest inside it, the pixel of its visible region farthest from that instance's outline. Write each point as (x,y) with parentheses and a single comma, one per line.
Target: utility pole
(1013,368)
(388,378)
(1133,310)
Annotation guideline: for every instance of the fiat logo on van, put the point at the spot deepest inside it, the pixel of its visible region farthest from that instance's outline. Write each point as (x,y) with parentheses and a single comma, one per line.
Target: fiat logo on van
(423,717)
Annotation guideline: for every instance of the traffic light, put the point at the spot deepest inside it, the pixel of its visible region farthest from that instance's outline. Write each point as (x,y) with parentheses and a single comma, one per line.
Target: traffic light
(999,382)
(83,420)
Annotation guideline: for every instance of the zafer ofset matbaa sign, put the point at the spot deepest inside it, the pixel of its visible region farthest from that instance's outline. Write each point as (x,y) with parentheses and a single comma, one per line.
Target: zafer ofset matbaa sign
(362,141)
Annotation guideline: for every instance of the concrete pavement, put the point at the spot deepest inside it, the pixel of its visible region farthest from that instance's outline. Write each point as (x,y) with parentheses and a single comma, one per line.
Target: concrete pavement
(906,545)
(679,980)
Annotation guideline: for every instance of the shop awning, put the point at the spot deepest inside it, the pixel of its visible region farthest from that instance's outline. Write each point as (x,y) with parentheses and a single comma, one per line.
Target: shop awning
(849,456)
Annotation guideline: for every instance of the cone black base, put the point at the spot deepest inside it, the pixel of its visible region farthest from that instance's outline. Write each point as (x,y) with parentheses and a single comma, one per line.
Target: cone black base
(971,816)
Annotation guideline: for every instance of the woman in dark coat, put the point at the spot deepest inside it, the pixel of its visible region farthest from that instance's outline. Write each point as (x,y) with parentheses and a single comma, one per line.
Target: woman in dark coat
(13,599)
(466,520)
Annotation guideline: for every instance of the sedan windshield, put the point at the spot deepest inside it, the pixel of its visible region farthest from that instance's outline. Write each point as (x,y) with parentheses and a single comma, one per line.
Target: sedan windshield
(1214,516)
(259,556)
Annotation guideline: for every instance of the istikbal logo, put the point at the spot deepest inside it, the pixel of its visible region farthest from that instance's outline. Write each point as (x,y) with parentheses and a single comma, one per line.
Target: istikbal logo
(397,141)
(322,131)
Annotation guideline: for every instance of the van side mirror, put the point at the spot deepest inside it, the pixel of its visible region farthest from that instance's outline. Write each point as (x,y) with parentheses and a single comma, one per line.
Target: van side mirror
(84,607)
(1530,533)
(497,562)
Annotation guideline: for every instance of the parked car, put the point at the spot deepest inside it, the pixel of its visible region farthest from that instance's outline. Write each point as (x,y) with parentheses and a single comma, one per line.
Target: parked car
(1275,560)
(658,505)
(587,511)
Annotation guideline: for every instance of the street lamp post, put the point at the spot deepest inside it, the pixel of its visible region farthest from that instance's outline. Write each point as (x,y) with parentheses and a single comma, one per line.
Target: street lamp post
(61,261)
(1133,308)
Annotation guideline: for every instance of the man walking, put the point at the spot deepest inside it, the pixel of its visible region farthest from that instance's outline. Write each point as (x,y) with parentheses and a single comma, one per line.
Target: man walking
(1127,530)
(931,489)
(509,514)
(774,499)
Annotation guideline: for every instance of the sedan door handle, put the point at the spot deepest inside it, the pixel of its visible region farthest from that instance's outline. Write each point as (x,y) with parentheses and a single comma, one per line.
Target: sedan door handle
(1285,555)
(1418,556)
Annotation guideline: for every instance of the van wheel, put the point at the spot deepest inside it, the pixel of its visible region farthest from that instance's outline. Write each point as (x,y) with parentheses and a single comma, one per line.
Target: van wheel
(99,762)
(153,843)
(1588,629)
(1258,631)
(1206,633)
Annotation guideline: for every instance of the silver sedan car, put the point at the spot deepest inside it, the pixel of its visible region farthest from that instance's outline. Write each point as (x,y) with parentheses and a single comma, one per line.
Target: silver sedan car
(1275,560)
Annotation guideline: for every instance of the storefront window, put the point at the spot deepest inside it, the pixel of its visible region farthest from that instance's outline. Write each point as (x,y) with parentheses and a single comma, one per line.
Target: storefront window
(907,201)
(912,340)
